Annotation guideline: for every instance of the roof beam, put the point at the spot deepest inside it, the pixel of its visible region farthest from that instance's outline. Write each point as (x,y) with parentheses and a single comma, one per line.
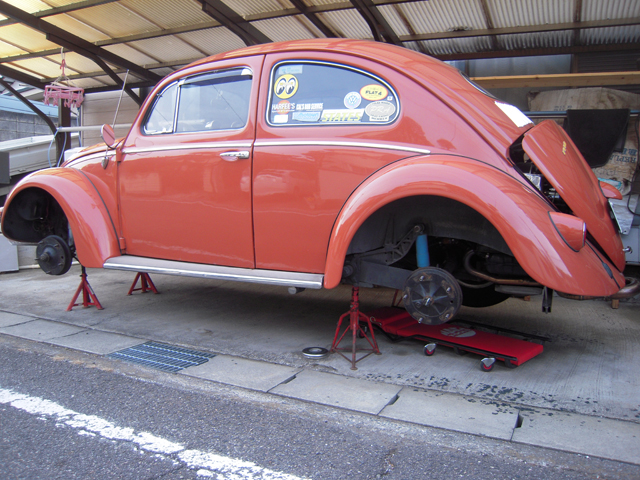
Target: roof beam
(313,18)
(380,28)
(487,18)
(35,110)
(532,52)
(554,27)
(118,81)
(72,7)
(560,80)
(577,17)
(21,77)
(73,42)
(249,34)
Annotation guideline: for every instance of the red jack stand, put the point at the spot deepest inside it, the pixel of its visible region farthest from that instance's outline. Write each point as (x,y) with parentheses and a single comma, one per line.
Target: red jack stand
(89,298)
(146,285)
(355,317)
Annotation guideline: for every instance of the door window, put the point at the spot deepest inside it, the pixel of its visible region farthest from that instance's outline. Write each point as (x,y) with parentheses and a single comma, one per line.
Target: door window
(213,101)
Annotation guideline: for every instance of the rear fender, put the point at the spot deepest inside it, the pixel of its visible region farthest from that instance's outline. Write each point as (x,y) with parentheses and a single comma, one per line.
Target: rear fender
(519,214)
(94,233)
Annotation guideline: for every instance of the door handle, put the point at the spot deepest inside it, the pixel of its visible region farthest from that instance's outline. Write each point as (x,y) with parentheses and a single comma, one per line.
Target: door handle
(233,156)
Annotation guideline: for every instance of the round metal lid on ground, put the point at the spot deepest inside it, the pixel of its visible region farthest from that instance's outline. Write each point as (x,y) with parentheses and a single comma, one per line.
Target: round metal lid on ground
(315,352)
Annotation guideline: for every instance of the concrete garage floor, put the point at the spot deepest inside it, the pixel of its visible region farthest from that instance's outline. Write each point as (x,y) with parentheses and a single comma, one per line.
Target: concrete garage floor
(581,394)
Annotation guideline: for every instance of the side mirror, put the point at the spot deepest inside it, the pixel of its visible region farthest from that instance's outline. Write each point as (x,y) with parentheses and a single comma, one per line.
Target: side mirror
(108,135)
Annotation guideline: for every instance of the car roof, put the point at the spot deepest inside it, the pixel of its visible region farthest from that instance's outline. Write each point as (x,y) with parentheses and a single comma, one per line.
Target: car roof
(444,81)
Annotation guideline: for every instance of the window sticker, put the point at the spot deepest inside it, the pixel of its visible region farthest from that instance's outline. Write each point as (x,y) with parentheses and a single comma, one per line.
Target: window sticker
(291,69)
(284,106)
(352,100)
(380,111)
(286,86)
(373,92)
(321,93)
(342,115)
(306,116)
(309,106)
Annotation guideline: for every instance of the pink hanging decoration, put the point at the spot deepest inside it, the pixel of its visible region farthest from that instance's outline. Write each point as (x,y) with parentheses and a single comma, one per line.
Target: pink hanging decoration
(72,95)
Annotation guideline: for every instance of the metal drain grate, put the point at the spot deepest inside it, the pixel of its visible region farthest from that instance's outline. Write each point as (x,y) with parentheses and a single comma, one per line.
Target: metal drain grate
(163,357)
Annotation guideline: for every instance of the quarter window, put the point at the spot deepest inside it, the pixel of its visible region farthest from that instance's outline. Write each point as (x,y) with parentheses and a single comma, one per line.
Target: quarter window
(161,118)
(311,93)
(213,101)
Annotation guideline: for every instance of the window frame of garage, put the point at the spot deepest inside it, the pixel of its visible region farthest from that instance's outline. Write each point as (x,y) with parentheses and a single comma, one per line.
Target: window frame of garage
(354,105)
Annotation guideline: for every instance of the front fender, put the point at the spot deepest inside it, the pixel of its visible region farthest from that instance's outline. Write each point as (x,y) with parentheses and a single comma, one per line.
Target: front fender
(518,213)
(93,231)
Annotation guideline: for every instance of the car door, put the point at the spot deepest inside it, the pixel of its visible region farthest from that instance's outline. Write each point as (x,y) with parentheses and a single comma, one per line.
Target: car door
(185,173)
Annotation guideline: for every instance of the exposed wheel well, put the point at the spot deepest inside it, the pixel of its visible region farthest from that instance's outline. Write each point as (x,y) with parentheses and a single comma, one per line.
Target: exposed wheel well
(34,214)
(383,250)
(440,216)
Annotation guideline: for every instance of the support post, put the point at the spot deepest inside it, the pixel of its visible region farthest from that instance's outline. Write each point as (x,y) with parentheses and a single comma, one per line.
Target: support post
(146,285)
(89,298)
(355,317)
(63,140)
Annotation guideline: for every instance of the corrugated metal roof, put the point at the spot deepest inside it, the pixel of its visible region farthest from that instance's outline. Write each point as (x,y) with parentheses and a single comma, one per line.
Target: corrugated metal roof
(160,35)
(347,24)
(506,13)
(256,7)
(286,28)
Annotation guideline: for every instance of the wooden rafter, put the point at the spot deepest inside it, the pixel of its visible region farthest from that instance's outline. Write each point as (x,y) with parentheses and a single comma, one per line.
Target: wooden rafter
(560,80)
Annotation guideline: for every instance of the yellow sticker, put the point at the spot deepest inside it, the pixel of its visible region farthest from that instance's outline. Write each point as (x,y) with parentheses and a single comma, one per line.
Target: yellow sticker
(286,86)
(343,116)
(564,148)
(373,92)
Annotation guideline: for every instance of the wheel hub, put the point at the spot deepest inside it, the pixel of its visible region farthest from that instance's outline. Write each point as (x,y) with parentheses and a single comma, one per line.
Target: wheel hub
(432,296)
(54,255)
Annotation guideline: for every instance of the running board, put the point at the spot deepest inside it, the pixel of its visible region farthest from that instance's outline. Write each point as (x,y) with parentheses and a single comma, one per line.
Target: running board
(171,267)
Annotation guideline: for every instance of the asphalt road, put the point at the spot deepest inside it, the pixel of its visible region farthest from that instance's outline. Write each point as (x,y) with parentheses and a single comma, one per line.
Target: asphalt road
(68,415)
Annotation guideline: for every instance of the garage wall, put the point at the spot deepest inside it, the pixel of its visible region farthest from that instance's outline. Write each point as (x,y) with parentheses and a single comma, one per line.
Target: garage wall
(100,108)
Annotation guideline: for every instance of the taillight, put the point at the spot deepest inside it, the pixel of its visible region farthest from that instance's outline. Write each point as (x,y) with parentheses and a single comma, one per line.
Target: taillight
(572,229)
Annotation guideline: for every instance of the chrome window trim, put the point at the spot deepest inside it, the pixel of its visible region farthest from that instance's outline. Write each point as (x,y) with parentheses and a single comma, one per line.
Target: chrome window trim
(331,64)
(321,143)
(171,267)
(187,146)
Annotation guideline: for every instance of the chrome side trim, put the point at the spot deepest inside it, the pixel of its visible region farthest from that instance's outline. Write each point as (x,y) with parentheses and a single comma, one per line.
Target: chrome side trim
(382,146)
(185,269)
(188,146)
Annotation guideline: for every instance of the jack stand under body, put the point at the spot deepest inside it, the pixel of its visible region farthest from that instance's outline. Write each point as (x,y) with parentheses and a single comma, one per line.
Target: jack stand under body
(89,298)
(355,317)
(146,285)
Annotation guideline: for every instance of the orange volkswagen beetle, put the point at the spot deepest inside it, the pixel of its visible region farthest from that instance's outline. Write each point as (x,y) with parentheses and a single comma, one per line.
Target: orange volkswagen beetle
(311,163)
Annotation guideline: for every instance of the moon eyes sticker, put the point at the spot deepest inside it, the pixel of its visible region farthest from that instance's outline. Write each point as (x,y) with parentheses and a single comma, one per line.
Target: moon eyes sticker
(286,86)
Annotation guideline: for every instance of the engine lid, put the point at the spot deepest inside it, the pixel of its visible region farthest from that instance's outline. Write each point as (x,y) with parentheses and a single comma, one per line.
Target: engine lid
(557,157)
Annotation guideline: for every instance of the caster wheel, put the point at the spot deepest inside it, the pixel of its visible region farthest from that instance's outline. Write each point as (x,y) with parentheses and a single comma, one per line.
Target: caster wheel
(486,364)
(430,349)
(509,364)
(362,332)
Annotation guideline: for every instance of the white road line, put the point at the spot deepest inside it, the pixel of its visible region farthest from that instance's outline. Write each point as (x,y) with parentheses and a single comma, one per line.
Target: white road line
(206,463)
